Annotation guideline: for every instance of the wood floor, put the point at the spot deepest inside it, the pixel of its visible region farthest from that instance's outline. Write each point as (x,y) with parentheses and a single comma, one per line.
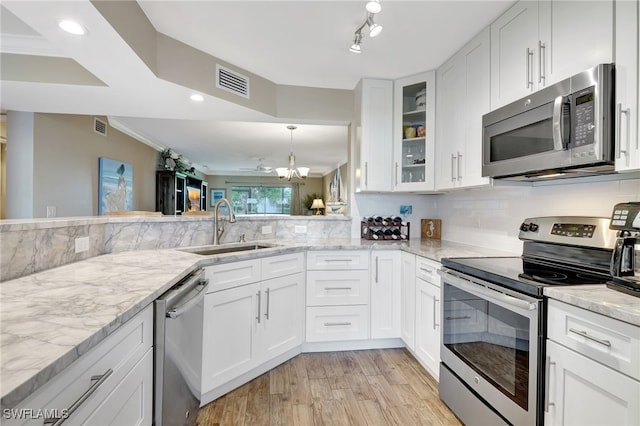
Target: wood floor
(372,387)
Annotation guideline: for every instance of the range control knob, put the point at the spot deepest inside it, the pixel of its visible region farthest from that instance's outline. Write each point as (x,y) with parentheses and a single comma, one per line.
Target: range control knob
(533,227)
(524,227)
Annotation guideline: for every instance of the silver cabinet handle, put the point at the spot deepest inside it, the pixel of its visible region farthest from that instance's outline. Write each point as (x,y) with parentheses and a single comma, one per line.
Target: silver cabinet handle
(453,175)
(547,368)
(94,387)
(594,339)
(428,271)
(334,324)
(458,161)
(457,318)
(542,62)
(338,288)
(396,173)
(259,306)
(435,302)
(338,260)
(366,174)
(376,269)
(619,112)
(529,75)
(266,314)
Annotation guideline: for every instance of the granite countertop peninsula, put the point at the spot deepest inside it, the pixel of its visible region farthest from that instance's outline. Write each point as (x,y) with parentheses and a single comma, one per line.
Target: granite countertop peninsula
(51,318)
(599,299)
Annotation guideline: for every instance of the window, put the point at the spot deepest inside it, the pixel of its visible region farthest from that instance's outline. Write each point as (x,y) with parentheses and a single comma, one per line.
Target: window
(261,199)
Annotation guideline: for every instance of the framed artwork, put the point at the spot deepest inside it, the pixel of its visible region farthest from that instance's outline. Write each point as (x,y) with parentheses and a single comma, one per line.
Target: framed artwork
(216,195)
(115,186)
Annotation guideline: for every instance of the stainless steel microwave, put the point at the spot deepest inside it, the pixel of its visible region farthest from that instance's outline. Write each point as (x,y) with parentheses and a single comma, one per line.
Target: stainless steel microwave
(564,130)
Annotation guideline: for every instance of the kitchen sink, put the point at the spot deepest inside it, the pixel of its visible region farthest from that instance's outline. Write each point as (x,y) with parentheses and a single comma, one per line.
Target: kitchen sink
(210,250)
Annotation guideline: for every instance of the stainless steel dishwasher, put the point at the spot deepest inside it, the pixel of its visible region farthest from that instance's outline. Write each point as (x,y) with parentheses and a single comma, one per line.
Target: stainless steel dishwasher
(178,351)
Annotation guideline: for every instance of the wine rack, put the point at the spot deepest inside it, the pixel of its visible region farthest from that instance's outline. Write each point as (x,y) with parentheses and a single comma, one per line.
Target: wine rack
(383,229)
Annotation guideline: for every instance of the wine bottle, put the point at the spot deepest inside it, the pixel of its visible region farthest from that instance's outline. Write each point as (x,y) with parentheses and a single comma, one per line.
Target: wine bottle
(399,234)
(390,235)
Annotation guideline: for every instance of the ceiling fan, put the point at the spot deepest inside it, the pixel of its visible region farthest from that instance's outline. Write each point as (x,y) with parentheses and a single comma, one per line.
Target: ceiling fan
(260,167)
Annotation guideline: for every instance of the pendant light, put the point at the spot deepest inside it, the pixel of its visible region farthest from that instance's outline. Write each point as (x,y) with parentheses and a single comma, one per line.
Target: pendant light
(292,171)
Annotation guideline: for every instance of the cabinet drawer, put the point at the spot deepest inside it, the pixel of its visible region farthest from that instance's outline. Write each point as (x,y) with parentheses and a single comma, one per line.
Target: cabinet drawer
(427,270)
(329,323)
(337,288)
(613,343)
(233,274)
(119,352)
(323,260)
(279,266)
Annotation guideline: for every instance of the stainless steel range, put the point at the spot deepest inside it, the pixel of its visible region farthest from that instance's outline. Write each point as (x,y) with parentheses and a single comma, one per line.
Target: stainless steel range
(494,317)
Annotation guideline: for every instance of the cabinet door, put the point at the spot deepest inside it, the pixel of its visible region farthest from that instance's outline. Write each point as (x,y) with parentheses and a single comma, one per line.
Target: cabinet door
(131,402)
(385,294)
(282,309)
(376,135)
(414,111)
(230,326)
(408,301)
(574,36)
(476,70)
(581,391)
(514,42)
(428,326)
(626,59)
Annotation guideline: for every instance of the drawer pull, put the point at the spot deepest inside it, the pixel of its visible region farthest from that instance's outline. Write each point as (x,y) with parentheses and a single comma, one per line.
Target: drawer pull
(335,324)
(94,387)
(457,318)
(338,260)
(338,288)
(586,336)
(428,271)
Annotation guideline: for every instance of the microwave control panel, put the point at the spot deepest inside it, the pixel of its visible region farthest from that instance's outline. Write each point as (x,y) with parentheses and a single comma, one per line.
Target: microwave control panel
(583,117)
(626,216)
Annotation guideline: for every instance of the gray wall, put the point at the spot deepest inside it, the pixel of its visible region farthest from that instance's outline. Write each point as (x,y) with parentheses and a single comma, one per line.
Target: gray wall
(61,169)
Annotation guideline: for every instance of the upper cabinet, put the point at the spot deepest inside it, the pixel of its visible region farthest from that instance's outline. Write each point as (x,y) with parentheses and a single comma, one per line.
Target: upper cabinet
(462,98)
(414,133)
(373,135)
(537,43)
(627,153)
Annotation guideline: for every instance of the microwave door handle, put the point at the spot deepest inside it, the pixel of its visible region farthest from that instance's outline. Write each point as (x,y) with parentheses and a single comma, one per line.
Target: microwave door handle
(558,144)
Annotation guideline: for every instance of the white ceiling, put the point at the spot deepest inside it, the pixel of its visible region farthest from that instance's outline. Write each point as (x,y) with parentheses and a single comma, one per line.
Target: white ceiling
(301,43)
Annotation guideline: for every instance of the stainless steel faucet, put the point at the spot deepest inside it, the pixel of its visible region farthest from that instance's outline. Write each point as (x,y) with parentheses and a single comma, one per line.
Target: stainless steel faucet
(219,229)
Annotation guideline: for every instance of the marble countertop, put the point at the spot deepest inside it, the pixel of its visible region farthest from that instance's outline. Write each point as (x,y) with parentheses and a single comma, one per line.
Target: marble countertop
(51,318)
(599,299)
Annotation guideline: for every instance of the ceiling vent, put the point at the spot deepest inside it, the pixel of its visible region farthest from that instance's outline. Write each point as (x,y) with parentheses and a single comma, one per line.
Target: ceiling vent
(231,81)
(99,126)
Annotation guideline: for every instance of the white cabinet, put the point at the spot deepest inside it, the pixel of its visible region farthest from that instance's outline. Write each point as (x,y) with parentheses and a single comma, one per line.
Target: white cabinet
(463,96)
(626,59)
(413,133)
(408,300)
(385,293)
(337,296)
(537,43)
(373,135)
(117,376)
(246,324)
(428,308)
(592,368)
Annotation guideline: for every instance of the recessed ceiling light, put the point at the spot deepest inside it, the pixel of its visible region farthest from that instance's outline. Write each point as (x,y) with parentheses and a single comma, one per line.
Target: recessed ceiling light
(196,97)
(72,27)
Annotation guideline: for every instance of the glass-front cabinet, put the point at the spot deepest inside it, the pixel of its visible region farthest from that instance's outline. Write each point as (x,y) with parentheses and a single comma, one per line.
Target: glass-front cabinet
(414,110)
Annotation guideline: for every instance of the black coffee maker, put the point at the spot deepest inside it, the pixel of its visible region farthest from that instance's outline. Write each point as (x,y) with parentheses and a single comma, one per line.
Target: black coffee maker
(625,259)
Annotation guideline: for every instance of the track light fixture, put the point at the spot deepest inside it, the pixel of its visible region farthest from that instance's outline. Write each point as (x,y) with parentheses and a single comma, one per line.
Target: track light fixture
(372,7)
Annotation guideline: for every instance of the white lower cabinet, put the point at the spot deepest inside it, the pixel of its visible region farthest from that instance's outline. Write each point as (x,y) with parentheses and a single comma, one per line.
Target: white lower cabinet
(427,346)
(249,325)
(116,376)
(408,300)
(385,294)
(336,323)
(592,369)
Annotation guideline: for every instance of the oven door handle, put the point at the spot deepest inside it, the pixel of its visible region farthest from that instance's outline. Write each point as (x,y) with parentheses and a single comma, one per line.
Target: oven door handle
(489,293)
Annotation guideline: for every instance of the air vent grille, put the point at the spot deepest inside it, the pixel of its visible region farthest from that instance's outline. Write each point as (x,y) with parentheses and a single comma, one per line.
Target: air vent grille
(99,126)
(231,81)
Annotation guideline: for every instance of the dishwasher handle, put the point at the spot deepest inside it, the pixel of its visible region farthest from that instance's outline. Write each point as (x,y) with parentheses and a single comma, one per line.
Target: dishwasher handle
(173,298)
(181,309)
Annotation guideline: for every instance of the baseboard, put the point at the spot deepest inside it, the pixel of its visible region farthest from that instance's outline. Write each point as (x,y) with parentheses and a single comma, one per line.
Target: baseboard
(352,345)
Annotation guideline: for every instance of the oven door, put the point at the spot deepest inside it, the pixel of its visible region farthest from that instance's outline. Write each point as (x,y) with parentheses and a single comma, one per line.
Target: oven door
(490,340)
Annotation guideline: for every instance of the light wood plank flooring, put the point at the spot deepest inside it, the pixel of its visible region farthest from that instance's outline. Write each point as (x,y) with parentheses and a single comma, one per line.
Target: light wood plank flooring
(372,387)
